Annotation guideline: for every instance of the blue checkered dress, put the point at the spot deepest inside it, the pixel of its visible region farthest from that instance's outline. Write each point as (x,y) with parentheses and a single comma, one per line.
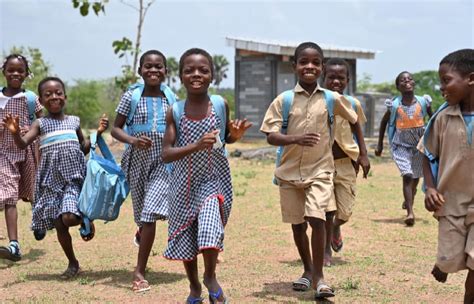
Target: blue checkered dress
(200,194)
(60,176)
(144,169)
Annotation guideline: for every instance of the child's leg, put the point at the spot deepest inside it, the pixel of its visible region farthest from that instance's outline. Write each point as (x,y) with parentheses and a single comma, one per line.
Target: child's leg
(302,244)
(62,225)
(147,237)
(11,219)
(469,295)
(192,273)
(318,242)
(408,183)
(210,279)
(330,226)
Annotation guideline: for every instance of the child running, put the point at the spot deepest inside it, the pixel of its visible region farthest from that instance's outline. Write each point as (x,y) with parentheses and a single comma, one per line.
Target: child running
(405,116)
(450,193)
(18,166)
(305,174)
(142,110)
(348,154)
(62,169)
(200,188)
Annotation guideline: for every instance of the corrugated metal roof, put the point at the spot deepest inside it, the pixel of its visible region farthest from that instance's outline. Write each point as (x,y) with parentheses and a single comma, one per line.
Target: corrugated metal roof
(288,48)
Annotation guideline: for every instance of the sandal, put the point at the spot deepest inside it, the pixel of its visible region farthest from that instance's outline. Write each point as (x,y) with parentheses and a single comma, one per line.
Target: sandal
(214,296)
(323,290)
(70,273)
(191,300)
(302,284)
(336,244)
(140,286)
(87,230)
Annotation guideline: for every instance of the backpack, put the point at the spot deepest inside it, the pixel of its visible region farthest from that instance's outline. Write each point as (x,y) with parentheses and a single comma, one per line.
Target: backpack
(137,91)
(31,103)
(105,187)
(286,106)
(219,106)
(393,113)
(434,161)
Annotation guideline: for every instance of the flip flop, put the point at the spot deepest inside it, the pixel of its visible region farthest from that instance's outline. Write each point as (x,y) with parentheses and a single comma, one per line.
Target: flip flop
(214,296)
(140,286)
(191,300)
(336,244)
(302,284)
(323,290)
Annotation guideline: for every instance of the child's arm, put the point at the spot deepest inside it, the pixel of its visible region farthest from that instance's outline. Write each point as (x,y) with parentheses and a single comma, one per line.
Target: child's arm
(433,199)
(141,142)
(382,128)
(235,128)
(279,139)
(362,159)
(12,123)
(84,142)
(171,153)
(103,124)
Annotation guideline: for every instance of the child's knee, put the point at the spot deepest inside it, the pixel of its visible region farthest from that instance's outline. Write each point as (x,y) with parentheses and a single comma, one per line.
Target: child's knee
(70,219)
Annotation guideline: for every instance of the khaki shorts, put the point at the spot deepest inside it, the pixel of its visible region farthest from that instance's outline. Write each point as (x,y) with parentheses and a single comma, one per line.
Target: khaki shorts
(300,199)
(456,242)
(343,196)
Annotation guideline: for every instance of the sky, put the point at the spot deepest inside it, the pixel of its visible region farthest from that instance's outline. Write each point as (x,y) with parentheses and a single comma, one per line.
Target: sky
(409,35)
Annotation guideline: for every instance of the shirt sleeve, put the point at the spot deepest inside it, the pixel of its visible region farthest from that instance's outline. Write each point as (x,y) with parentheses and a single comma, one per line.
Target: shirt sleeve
(123,107)
(38,105)
(433,140)
(360,112)
(273,119)
(343,108)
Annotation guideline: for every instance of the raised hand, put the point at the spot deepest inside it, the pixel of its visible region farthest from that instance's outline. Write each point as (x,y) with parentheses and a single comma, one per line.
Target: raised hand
(103,124)
(308,139)
(12,123)
(237,128)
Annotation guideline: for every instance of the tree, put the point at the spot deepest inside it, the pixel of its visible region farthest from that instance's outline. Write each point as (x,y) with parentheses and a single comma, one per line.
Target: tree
(221,66)
(84,5)
(173,70)
(83,102)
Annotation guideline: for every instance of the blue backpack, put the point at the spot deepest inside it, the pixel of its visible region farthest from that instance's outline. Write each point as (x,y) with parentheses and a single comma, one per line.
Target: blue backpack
(393,114)
(136,95)
(434,161)
(286,106)
(105,186)
(219,106)
(31,103)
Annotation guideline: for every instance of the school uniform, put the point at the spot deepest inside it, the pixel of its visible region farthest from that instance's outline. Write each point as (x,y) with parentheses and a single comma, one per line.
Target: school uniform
(305,174)
(343,198)
(144,168)
(451,140)
(17,166)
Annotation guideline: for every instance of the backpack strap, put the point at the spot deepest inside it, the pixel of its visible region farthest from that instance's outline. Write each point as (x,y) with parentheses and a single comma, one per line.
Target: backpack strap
(31,101)
(219,106)
(393,118)
(329,98)
(285,109)
(353,102)
(424,104)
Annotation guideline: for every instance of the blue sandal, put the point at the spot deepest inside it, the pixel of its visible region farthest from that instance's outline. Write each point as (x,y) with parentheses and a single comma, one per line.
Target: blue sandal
(191,300)
(213,296)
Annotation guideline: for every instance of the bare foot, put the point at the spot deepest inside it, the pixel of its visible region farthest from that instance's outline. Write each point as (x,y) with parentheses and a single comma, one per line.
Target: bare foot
(439,275)
(410,220)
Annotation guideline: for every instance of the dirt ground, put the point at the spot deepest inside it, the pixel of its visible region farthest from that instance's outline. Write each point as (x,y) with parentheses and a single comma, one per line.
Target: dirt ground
(382,260)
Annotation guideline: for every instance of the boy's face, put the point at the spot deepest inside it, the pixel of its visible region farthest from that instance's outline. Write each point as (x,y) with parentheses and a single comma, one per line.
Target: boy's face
(336,78)
(406,83)
(196,75)
(153,70)
(52,96)
(454,86)
(308,66)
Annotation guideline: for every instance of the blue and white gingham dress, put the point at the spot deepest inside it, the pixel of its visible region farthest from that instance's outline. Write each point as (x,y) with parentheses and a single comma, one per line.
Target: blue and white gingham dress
(144,169)
(200,194)
(60,176)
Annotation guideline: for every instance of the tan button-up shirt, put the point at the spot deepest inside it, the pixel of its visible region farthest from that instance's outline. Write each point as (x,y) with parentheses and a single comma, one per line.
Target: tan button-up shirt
(308,114)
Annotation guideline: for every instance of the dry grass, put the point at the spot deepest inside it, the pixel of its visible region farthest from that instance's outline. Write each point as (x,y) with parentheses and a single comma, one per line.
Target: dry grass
(382,260)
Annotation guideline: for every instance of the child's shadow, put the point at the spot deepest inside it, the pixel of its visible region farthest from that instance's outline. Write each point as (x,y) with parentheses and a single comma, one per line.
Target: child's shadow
(336,260)
(284,289)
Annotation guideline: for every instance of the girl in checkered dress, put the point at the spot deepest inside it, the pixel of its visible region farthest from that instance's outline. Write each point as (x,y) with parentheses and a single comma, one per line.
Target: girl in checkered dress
(141,162)
(200,183)
(17,166)
(62,169)
(409,130)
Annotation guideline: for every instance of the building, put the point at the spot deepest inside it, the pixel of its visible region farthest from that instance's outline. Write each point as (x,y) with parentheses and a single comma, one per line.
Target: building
(264,68)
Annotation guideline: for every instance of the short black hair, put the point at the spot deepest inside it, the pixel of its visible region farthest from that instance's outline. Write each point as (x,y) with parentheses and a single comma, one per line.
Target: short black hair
(19,57)
(151,52)
(397,80)
(44,80)
(337,61)
(307,45)
(460,60)
(195,51)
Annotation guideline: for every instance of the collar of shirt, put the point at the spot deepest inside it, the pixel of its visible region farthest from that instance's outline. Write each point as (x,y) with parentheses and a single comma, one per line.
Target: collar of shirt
(300,89)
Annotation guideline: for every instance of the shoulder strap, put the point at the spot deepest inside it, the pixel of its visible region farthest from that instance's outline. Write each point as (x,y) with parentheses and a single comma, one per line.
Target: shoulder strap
(178,110)
(31,101)
(285,111)
(219,106)
(329,98)
(169,94)
(428,130)
(137,91)
(393,117)
(353,102)
(424,105)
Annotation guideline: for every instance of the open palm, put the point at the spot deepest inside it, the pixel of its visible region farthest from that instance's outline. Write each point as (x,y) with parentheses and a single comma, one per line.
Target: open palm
(12,123)
(238,127)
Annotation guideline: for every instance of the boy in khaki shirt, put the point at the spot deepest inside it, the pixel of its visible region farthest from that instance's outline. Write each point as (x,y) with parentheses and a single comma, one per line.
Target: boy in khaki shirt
(452,197)
(306,169)
(348,155)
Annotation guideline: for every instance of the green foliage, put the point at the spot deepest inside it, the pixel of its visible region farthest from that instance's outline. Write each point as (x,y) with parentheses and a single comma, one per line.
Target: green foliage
(83,102)
(221,66)
(84,5)
(38,67)
(173,70)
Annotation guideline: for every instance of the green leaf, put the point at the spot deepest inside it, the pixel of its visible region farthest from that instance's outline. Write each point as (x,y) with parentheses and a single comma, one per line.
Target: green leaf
(84,9)
(75,3)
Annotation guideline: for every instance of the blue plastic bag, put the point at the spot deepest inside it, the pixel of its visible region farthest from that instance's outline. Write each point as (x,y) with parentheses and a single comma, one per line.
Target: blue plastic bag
(105,187)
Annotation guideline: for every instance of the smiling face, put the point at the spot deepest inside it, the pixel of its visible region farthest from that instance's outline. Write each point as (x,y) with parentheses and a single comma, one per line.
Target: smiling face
(15,73)
(454,86)
(406,84)
(336,78)
(196,74)
(308,67)
(153,70)
(53,97)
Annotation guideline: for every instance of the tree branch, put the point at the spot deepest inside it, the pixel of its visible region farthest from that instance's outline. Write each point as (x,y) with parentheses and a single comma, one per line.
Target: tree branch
(129,5)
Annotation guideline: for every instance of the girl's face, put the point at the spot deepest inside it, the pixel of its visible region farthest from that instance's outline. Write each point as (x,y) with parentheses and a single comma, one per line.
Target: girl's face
(196,74)
(15,73)
(406,83)
(336,78)
(52,96)
(454,86)
(308,66)
(153,70)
